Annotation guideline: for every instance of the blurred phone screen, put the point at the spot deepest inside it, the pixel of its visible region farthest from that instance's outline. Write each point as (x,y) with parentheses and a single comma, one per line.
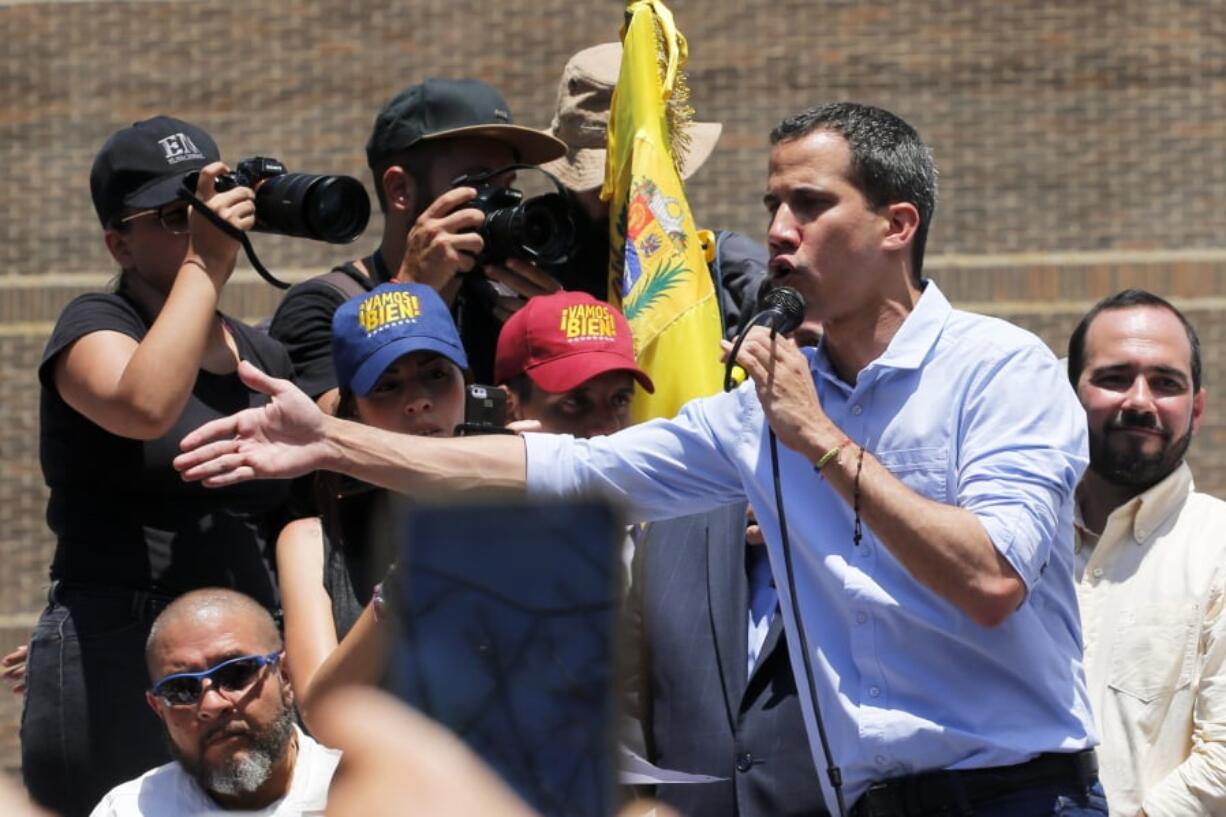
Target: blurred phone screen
(507,615)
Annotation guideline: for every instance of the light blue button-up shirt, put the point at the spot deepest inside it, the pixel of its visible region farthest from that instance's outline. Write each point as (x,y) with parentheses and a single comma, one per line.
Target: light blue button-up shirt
(964,409)
(763,601)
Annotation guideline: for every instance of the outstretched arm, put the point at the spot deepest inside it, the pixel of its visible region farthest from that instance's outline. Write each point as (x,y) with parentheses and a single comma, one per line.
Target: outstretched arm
(398,762)
(290,436)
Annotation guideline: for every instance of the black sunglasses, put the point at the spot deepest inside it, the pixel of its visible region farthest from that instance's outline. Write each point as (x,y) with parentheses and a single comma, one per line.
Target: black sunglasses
(233,675)
(173,218)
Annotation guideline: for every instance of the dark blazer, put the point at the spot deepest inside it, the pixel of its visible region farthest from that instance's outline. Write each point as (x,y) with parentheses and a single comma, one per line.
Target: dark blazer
(686,636)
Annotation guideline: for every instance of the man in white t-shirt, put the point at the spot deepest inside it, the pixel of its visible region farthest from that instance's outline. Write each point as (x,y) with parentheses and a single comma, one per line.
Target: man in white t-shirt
(220,689)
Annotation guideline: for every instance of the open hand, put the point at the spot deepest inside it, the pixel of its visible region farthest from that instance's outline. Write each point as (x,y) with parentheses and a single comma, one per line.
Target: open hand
(279,440)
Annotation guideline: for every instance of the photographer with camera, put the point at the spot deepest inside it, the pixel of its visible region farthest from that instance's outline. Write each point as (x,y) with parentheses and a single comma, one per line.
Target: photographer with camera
(125,374)
(423,140)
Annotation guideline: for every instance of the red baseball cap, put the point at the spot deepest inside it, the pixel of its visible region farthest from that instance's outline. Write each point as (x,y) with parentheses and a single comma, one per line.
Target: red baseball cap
(565,339)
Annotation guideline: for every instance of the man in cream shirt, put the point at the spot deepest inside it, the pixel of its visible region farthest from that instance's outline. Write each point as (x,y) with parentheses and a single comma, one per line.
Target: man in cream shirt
(1150,563)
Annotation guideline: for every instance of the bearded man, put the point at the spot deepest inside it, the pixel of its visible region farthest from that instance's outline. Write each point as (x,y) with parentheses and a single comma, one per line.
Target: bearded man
(220,689)
(1150,563)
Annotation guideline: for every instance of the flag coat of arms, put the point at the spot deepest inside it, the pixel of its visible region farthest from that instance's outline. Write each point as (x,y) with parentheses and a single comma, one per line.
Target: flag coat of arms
(658,271)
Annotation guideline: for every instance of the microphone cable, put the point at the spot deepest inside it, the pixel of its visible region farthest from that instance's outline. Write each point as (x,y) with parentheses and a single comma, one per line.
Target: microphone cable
(783,317)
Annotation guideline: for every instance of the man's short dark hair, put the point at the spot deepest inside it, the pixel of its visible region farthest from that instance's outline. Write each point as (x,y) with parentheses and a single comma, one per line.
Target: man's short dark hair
(1127,299)
(889,161)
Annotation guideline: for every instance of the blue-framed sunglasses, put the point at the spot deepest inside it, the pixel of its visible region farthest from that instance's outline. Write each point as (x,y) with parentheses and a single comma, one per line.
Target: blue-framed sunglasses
(233,675)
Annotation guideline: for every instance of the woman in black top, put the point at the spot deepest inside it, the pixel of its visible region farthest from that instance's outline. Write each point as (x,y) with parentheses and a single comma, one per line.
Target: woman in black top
(124,377)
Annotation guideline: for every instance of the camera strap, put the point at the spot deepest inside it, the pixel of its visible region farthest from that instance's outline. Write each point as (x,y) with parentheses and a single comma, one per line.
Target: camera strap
(233,232)
(347,280)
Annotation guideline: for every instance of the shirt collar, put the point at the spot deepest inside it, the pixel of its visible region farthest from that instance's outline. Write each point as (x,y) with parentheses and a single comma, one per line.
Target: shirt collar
(1079,523)
(1146,512)
(914,339)
(1161,502)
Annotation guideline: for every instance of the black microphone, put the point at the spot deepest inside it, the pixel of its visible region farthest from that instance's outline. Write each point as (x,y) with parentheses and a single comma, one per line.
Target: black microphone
(783,310)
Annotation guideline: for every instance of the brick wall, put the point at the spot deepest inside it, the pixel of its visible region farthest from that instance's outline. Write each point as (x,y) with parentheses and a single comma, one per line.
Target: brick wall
(1082,146)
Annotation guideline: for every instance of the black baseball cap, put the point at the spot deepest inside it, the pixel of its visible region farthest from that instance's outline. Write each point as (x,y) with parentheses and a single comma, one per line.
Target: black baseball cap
(141,167)
(443,108)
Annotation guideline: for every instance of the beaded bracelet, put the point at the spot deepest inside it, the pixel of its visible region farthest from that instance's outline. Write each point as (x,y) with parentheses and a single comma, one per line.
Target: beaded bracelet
(857,532)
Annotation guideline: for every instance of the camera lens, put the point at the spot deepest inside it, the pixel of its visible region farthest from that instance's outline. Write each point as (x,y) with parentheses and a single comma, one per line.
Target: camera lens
(540,229)
(337,208)
(545,228)
(327,208)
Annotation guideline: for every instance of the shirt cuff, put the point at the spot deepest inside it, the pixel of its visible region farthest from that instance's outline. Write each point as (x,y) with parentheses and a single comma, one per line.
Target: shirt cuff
(1004,533)
(549,470)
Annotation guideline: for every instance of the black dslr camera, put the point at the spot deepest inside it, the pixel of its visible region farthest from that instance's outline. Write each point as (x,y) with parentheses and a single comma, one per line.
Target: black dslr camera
(539,229)
(326,208)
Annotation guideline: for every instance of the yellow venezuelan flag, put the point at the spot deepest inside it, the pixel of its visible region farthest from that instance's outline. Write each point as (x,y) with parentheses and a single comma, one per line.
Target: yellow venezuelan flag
(658,273)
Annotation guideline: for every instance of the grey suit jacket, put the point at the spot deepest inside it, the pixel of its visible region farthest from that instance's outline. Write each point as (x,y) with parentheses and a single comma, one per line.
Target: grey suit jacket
(686,633)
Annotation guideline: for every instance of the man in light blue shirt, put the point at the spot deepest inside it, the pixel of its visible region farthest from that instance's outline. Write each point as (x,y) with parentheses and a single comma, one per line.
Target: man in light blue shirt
(928,459)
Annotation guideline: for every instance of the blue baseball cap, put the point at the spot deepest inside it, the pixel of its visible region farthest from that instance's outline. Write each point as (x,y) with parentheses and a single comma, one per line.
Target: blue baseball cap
(375,329)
